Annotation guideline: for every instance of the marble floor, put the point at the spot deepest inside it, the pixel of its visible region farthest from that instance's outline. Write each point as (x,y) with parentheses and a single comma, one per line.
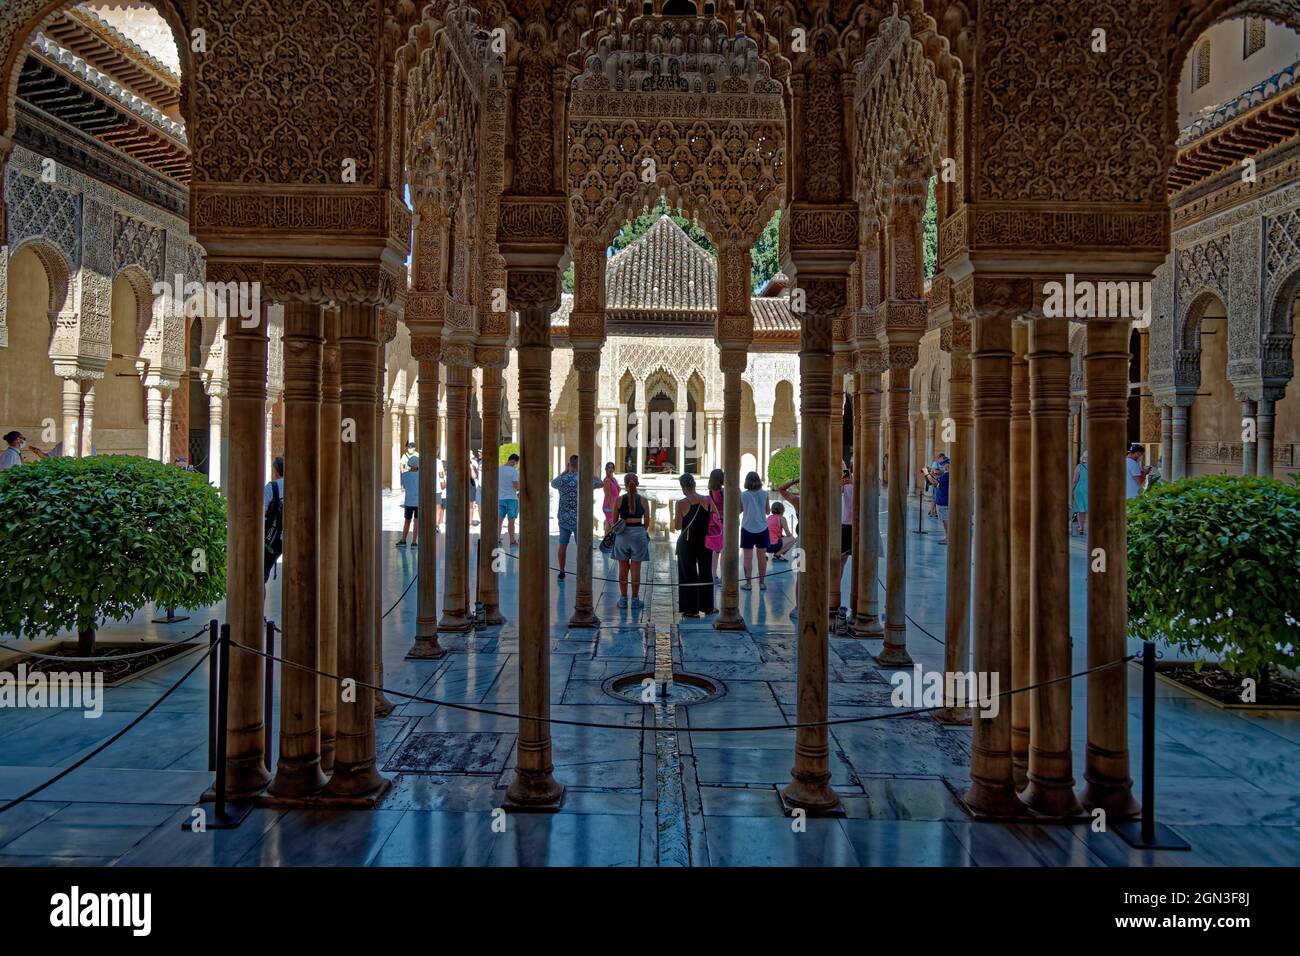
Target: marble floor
(1229,783)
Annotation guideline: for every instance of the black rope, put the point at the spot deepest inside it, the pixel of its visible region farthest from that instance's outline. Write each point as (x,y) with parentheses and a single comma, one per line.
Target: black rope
(117,736)
(416,698)
(414,578)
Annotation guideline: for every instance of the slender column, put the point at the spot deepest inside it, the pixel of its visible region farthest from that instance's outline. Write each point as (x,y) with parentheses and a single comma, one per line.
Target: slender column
(426,348)
(834,470)
(866,562)
(810,784)
(153,421)
(442,429)
(270,434)
(298,772)
(388,331)
(395,454)
(246,358)
(455,615)
(514,428)
(534,295)
(88,419)
(330,451)
(216,400)
(992,791)
(587,362)
(410,425)
(1167,441)
(492,361)
(856,387)
(1249,449)
(1179,433)
(733,363)
(71,417)
(1264,434)
(1050,790)
(894,653)
(956,656)
(1019,465)
(1106,365)
(355,773)
(642,426)
(166,450)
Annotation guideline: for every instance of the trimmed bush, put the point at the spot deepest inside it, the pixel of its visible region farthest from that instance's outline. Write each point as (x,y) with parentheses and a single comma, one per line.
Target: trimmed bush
(88,539)
(508,449)
(783,466)
(1214,567)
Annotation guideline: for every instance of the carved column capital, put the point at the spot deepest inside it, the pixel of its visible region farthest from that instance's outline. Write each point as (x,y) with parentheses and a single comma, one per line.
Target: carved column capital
(586,359)
(733,360)
(485,356)
(457,355)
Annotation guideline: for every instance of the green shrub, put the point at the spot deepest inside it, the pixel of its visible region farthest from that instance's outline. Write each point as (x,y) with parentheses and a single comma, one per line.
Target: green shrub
(1214,567)
(87,539)
(508,449)
(783,467)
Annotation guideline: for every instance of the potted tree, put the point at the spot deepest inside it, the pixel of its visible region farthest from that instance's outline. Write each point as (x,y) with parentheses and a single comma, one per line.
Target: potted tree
(1214,570)
(89,539)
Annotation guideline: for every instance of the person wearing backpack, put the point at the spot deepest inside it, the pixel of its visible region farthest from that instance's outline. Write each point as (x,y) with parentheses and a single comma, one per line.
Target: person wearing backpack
(273,502)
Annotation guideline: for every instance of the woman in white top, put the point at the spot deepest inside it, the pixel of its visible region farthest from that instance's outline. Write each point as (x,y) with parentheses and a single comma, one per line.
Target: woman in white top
(753,528)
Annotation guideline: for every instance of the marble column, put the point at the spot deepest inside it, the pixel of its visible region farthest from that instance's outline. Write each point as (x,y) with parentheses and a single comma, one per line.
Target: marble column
(855,391)
(492,361)
(270,435)
(246,360)
(88,418)
(894,653)
(642,426)
(1106,366)
(426,348)
(1179,441)
(810,784)
(534,295)
(410,425)
(587,362)
(1050,790)
(166,449)
(298,771)
(992,791)
(71,417)
(388,331)
(866,563)
(395,453)
(764,446)
(1167,442)
(1019,466)
(1249,449)
(153,421)
(961,470)
(455,615)
(216,399)
(1264,434)
(834,472)
(328,610)
(733,362)
(356,776)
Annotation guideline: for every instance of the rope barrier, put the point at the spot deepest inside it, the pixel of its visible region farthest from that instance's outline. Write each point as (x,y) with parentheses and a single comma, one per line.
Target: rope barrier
(117,736)
(416,698)
(399,598)
(102,659)
(659,584)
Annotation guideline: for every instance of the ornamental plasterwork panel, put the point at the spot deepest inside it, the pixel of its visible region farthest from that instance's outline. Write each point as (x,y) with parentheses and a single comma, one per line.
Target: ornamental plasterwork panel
(137,243)
(1244,302)
(49,211)
(1200,267)
(1281,249)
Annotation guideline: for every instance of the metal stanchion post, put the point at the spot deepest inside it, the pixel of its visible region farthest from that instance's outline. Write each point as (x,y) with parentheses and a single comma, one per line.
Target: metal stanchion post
(269,699)
(214,635)
(226,814)
(1146,833)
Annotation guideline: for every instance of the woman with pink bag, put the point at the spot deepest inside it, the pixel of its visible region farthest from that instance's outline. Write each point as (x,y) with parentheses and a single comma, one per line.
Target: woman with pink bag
(713,540)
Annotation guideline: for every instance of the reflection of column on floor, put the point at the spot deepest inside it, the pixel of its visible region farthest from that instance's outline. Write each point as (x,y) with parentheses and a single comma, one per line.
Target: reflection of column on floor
(1106,367)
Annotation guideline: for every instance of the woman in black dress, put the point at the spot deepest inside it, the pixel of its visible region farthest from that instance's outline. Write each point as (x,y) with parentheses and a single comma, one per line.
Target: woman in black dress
(694,575)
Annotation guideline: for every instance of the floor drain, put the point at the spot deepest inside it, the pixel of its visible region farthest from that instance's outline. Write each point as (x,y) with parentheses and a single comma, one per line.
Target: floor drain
(682,689)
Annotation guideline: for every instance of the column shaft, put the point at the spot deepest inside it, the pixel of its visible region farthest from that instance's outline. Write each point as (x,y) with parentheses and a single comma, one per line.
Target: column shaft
(455,615)
(1019,466)
(866,561)
(426,646)
(298,771)
(960,476)
(216,425)
(588,365)
(1050,790)
(835,470)
(1179,442)
(894,653)
(1249,449)
(395,452)
(729,617)
(71,417)
(1264,433)
(1167,442)
(330,451)
(1106,366)
(153,422)
(489,489)
(88,419)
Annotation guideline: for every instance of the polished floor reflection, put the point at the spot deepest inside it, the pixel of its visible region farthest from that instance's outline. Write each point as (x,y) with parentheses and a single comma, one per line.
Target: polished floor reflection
(1228,782)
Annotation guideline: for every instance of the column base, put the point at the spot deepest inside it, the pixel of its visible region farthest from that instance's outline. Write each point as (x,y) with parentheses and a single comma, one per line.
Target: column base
(584,617)
(867,625)
(729,621)
(813,794)
(533,791)
(954,716)
(988,801)
(359,785)
(1020,771)
(1054,800)
(383,706)
(894,655)
(297,778)
(456,621)
(327,755)
(426,649)
(246,778)
(1113,796)
(494,617)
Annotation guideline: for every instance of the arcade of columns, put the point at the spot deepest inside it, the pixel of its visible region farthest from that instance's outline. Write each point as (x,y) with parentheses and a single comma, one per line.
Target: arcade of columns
(524,147)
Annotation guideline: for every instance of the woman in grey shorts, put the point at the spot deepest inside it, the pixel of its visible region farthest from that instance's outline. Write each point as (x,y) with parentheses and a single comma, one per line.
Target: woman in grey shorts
(632,543)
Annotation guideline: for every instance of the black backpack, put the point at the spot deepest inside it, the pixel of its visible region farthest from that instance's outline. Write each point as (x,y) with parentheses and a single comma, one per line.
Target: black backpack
(275,523)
